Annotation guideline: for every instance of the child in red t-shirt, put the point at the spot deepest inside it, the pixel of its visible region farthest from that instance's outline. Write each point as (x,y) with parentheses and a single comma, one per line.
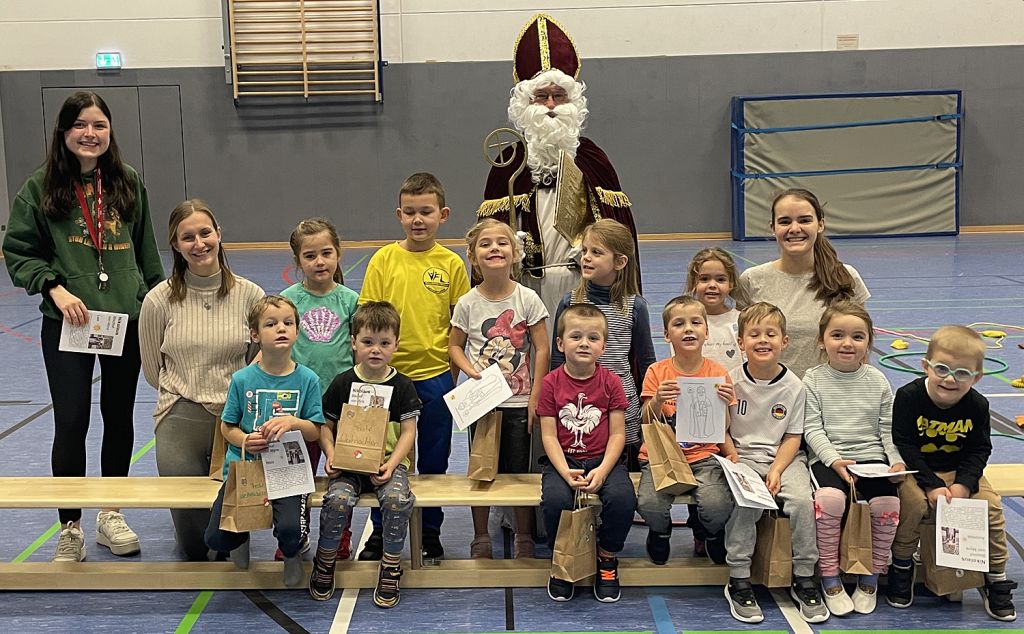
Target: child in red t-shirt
(582,413)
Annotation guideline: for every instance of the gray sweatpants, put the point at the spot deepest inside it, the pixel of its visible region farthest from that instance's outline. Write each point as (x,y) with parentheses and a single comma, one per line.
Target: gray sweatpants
(714,502)
(183,442)
(796,501)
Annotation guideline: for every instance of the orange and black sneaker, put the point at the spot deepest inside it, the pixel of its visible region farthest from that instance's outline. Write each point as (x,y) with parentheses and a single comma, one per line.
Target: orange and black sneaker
(606,586)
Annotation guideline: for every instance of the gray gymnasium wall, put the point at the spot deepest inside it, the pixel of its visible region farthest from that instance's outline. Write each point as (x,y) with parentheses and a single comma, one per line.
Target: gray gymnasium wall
(663,120)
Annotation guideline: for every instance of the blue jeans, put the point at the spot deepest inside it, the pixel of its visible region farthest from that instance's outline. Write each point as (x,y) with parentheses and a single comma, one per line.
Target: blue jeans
(286,526)
(618,501)
(433,442)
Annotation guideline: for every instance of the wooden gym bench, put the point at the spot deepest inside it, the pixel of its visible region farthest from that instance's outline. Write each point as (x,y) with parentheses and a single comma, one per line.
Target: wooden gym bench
(430,491)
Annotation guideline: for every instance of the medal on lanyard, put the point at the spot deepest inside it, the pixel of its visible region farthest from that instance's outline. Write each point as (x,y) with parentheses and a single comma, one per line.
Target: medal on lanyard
(95,227)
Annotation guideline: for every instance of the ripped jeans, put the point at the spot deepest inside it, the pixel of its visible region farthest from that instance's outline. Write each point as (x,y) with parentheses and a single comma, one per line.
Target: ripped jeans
(343,491)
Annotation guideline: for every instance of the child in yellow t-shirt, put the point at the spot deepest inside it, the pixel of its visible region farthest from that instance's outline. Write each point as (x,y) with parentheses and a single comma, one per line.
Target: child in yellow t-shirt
(424,281)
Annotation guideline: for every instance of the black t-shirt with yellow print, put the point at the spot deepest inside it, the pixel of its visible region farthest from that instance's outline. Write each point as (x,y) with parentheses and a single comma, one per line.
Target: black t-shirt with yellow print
(931,439)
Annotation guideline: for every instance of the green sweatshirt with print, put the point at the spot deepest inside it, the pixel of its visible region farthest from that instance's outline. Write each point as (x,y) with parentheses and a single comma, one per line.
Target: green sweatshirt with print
(39,251)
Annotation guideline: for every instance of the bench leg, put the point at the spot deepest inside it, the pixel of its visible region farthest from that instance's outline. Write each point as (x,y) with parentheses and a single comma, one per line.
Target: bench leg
(416,538)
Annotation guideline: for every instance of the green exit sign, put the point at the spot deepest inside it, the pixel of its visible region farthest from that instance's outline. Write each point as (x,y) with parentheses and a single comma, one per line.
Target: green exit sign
(108,60)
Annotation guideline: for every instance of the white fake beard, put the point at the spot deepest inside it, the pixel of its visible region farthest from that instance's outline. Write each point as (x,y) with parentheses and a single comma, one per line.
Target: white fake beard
(546,135)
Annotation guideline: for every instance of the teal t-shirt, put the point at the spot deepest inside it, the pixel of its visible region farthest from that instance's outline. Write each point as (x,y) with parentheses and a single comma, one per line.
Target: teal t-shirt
(254,397)
(324,344)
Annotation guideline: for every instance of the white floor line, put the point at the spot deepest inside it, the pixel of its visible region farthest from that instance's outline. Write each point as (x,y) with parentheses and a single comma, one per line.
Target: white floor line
(797,624)
(347,604)
(1018,394)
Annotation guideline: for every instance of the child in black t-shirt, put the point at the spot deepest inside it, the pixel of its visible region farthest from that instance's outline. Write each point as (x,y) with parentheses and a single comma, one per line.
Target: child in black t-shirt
(940,425)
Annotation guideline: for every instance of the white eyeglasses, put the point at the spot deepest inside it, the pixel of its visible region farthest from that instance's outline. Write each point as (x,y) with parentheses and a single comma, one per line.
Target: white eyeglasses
(960,375)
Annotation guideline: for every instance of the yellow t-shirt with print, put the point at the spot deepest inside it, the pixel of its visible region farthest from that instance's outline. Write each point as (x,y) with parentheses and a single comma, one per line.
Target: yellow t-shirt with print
(423,287)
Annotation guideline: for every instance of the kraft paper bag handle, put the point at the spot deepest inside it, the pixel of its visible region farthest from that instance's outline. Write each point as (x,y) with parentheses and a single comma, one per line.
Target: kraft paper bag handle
(581,500)
(255,456)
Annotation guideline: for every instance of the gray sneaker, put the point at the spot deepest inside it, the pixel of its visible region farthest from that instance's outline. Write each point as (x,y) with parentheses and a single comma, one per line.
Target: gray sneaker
(742,603)
(70,544)
(240,556)
(807,595)
(294,573)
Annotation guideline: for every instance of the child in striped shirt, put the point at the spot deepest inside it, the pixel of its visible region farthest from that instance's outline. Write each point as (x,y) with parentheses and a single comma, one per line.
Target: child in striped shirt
(610,280)
(848,420)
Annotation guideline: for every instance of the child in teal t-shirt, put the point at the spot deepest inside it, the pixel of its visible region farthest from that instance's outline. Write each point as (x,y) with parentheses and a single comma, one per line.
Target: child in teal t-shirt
(264,401)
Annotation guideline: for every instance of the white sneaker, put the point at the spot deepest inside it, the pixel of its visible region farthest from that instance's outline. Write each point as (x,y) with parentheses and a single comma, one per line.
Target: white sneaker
(113,532)
(864,602)
(839,603)
(70,544)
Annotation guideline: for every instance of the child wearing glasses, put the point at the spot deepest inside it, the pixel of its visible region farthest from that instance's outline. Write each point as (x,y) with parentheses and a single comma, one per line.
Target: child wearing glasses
(940,425)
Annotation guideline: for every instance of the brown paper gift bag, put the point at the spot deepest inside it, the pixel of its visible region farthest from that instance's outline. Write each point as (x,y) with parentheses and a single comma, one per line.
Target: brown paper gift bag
(246,506)
(940,579)
(217,451)
(855,540)
(669,469)
(485,447)
(772,564)
(574,557)
(360,438)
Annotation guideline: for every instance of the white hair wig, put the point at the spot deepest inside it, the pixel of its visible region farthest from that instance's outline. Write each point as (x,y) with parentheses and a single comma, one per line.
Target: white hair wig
(545,134)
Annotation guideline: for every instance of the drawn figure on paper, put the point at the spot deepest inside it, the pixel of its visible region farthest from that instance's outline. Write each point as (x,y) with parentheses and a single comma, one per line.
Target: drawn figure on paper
(579,419)
(507,346)
(484,388)
(700,406)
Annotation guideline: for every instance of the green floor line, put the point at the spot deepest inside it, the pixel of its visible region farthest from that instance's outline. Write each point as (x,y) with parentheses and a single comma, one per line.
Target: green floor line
(740,257)
(358,262)
(189,620)
(50,532)
(972,631)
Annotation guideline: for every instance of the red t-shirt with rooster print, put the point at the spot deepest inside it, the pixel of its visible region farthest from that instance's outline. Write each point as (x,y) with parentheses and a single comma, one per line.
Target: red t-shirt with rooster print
(580,409)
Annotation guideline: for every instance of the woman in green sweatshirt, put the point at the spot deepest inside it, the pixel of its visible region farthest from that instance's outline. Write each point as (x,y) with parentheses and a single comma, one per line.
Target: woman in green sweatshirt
(80,235)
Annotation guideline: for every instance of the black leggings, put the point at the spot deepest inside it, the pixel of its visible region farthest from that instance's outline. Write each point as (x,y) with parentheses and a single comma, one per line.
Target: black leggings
(69,375)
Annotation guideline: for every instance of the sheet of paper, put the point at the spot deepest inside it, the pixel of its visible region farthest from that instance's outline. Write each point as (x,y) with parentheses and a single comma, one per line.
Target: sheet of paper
(286,465)
(700,414)
(874,471)
(473,398)
(102,334)
(961,534)
(370,395)
(747,487)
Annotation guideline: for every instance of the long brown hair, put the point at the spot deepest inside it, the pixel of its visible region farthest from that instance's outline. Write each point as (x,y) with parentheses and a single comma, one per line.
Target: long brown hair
(63,169)
(615,237)
(706,255)
(179,265)
(311,227)
(831,281)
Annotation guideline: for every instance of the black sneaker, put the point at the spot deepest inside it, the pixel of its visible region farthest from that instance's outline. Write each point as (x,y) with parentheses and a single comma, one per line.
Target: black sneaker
(998,597)
(715,547)
(606,585)
(321,580)
(742,603)
(900,590)
(386,594)
(560,590)
(432,548)
(374,548)
(807,594)
(659,547)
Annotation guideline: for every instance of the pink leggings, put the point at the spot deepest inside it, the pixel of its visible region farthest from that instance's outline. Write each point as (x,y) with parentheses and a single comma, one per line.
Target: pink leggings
(829,508)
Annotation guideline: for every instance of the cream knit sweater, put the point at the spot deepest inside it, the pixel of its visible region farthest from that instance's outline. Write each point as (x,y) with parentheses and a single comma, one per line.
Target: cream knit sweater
(191,348)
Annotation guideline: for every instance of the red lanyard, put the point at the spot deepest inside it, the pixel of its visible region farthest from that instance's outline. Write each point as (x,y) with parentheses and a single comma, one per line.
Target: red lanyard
(95,228)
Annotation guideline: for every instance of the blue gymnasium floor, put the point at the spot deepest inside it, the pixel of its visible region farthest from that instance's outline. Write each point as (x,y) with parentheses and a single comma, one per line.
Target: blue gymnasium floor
(917,284)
